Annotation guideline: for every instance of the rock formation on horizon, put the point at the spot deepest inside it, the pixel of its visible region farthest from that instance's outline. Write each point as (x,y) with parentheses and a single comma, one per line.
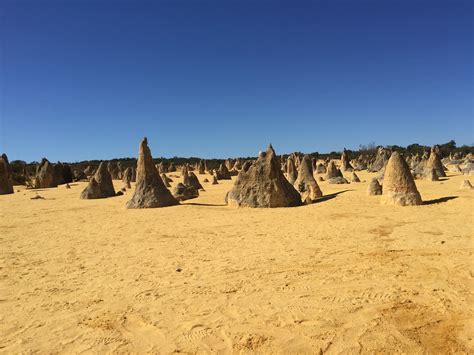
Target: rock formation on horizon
(263,185)
(345,162)
(381,160)
(150,191)
(223,173)
(399,187)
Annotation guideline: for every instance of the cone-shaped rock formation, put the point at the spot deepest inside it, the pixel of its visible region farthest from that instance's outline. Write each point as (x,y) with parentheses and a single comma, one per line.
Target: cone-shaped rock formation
(150,191)
(263,185)
(399,187)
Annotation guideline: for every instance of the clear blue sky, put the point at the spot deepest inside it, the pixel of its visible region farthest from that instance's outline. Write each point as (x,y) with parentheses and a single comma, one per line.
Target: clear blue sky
(88,79)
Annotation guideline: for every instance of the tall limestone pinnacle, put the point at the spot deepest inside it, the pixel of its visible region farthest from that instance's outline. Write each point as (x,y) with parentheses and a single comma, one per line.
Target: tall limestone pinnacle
(399,187)
(150,191)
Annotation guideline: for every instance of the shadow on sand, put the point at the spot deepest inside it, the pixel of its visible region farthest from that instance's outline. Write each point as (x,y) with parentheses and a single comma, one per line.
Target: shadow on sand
(439,200)
(330,196)
(203,204)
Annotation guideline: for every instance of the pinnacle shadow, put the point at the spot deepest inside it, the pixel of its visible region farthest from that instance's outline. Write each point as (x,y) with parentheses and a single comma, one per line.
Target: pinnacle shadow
(439,200)
(203,204)
(330,196)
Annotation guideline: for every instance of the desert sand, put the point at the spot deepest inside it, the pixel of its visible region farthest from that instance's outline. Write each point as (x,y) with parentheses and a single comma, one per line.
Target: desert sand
(344,275)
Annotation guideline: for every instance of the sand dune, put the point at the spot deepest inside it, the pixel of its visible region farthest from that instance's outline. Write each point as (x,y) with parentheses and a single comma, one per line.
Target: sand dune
(344,275)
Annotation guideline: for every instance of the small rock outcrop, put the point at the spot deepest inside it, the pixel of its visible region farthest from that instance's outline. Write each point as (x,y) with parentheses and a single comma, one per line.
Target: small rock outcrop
(399,187)
(374,188)
(434,163)
(223,173)
(150,191)
(263,185)
(354,177)
(6,181)
(92,191)
(182,192)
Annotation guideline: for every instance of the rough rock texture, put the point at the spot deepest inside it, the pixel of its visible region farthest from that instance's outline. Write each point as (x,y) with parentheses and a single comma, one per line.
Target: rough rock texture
(320,169)
(468,168)
(291,173)
(190,179)
(223,173)
(182,192)
(166,180)
(399,187)
(62,173)
(6,182)
(434,162)
(380,160)
(246,165)
(129,175)
(354,177)
(237,165)
(193,181)
(103,178)
(430,174)
(466,185)
(305,183)
(337,180)
(214,180)
(201,167)
(89,171)
(229,164)
(162,168)
(345,161)
(45,175)
(374,187)
(79,175)
(332,171)
(150,191)
(92,191)
(263,185)
(114,170)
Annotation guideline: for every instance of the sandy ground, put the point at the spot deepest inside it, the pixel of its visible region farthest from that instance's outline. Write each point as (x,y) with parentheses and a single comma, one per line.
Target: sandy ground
(344,275)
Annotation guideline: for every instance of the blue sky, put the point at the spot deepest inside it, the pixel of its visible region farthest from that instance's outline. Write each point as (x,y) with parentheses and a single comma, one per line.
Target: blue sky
(87,79)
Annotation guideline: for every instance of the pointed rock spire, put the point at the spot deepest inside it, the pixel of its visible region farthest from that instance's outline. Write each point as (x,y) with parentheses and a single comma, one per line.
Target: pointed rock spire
(150,192)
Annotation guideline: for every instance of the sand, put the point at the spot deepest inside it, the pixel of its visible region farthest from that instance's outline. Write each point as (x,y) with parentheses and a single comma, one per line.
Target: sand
(344,275)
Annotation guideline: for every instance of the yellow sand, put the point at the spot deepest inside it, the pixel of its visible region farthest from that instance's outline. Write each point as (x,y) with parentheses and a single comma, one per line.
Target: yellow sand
(345,275)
